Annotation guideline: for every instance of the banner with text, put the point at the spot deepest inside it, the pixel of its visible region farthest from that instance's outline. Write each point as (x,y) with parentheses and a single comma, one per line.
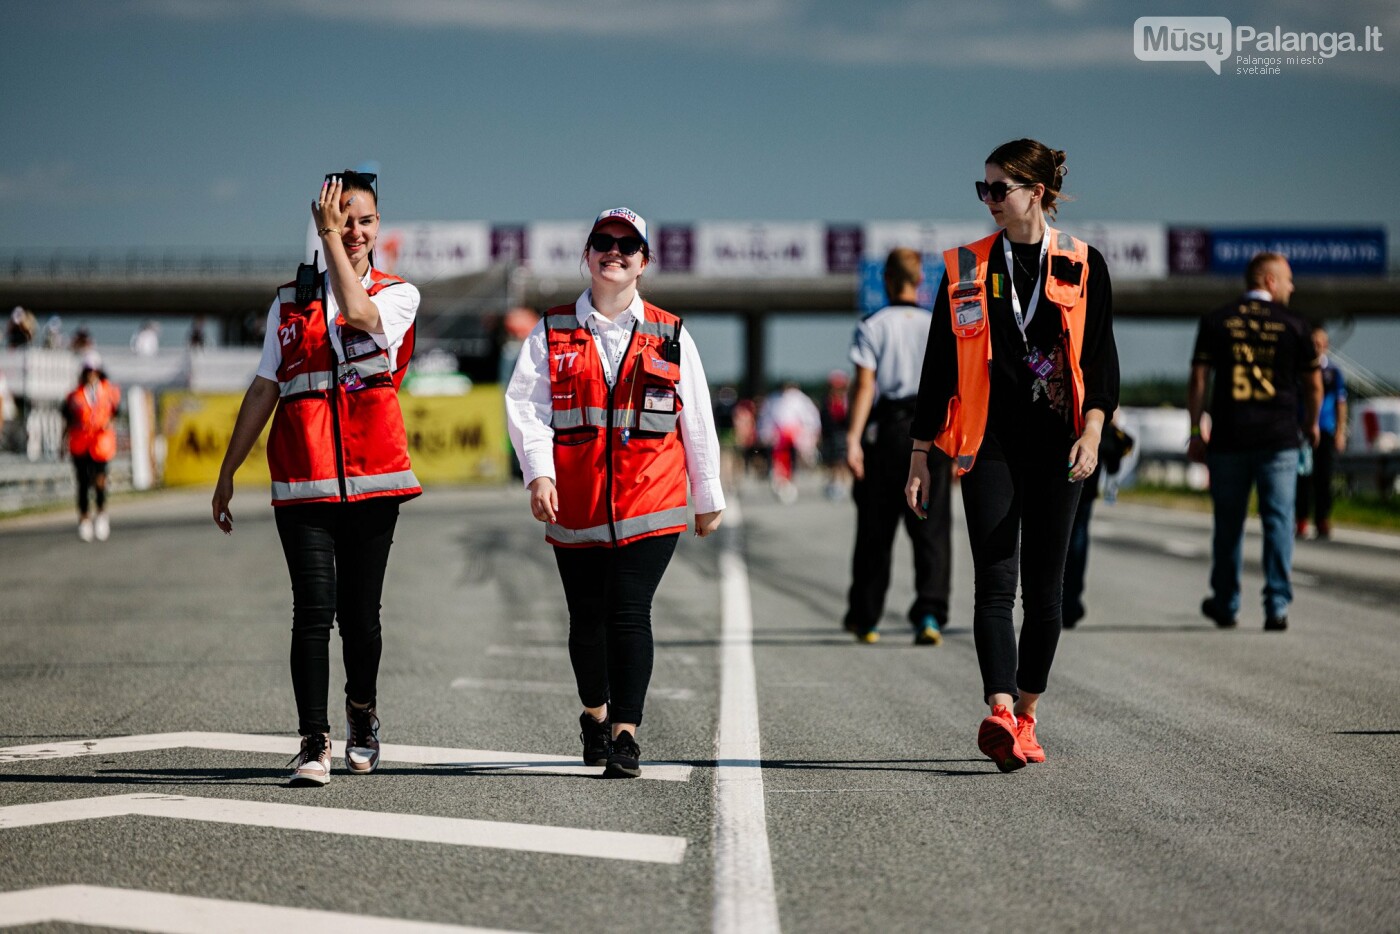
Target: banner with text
(424,252)
(555,248)
(789,249)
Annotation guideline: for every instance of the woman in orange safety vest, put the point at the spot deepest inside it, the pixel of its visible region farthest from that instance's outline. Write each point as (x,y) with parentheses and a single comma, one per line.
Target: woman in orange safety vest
(336,347)
(1020,370)
(90,414)
(611,421)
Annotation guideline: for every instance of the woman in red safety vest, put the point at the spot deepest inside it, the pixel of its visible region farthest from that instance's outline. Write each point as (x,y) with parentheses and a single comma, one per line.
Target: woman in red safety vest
(90,414)
(1020,371)
(610,417)
(336,348)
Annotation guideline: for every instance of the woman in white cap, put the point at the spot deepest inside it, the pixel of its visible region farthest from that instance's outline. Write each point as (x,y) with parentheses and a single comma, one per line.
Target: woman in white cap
(610,416)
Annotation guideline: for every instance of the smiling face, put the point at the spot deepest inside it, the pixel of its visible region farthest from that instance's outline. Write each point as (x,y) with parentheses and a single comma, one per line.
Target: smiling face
(614,268)
(1021,205)
(361,226)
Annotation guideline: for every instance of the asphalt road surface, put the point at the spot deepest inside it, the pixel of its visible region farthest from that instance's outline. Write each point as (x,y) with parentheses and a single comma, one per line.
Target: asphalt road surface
(1198,779)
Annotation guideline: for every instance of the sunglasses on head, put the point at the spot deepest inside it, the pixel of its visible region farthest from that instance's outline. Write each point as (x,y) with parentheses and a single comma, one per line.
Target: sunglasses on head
(603,243)
(996,192)
(369,178)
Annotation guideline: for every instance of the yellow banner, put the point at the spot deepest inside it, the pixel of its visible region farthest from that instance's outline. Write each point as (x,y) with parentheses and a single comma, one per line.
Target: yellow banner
(451,439)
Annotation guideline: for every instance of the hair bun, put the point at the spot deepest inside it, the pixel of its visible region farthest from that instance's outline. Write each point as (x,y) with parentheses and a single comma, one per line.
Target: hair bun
(1058,155)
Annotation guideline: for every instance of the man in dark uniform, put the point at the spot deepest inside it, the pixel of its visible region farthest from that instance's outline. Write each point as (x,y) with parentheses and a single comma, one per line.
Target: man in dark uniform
(1263,362)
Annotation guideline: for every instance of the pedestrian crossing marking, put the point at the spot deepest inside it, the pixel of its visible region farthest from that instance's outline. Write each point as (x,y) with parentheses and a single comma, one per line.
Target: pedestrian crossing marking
(451,831)
(483,759)
(137,910)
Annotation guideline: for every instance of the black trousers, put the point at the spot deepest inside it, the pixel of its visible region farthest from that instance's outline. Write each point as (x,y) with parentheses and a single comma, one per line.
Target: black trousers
(1077,560)
(1020,507)
(337,554)
(880,508)
(1315,491)
(609,593)
(92,479)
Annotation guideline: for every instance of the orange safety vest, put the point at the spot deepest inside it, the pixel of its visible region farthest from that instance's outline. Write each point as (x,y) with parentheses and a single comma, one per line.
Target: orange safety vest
(966,421)
(92,433)
(618,460)
(338,433)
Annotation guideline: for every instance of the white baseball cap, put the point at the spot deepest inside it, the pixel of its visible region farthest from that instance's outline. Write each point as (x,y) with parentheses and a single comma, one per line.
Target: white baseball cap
(626,216)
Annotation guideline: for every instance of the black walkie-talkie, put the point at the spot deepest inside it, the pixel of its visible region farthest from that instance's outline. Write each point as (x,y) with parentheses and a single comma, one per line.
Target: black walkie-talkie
(671,347)
(308,279)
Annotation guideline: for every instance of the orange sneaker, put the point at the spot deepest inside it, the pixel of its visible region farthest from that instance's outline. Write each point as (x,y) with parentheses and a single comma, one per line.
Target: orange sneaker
(1025,735)
(997,740)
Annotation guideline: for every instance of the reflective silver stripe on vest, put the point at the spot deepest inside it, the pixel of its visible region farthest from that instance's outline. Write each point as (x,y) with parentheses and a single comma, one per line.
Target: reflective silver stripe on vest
(594,417)
(656,329)
(305,382)
(967,265)
(374,365)
(965,461)
(562,322)
(657,421)
(380,483)
(287,295)
(1066,242)
(626,528)
(305,489)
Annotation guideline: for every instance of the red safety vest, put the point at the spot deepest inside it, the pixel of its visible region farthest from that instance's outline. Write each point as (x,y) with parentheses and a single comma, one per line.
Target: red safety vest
(92,433)
(618,460)
(338,433)
(966,421)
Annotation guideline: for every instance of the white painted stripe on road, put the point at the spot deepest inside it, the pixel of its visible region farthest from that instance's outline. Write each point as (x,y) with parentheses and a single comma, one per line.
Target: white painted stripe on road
(1175,546)
(554,687)
(485,759)
(135,910)
(452,831)
(746,900)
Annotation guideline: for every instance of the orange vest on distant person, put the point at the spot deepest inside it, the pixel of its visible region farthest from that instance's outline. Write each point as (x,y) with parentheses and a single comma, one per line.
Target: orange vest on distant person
(619,464)
(338,434)
(92,433)
(966,421)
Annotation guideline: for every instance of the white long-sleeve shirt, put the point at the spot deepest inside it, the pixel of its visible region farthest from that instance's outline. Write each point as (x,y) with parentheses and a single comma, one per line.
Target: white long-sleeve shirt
(529,407)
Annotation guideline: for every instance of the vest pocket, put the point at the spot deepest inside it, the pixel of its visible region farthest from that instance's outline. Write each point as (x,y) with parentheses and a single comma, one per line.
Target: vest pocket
(575,436)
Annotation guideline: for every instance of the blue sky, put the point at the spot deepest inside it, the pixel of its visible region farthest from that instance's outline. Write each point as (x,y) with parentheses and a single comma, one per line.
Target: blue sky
(138,124)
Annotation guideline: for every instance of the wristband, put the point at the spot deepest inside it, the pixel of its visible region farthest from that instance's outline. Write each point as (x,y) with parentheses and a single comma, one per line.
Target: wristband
(325,230)
(1195,431)
(914,451)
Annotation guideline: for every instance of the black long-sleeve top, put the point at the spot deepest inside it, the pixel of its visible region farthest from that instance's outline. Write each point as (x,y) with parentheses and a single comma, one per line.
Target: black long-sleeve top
(1012,406)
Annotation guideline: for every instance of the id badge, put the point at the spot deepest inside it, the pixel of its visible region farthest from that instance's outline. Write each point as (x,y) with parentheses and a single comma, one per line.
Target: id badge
(359,347)
(969,300)
(1039,364)
(350,380)
(656,399)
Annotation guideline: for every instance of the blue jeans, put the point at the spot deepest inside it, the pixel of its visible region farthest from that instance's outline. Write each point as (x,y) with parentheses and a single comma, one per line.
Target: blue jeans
(1232,473)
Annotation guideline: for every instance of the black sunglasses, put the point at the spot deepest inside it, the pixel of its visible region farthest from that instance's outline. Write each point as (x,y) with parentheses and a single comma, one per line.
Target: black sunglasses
(996,192)
(370,178)
(603,243)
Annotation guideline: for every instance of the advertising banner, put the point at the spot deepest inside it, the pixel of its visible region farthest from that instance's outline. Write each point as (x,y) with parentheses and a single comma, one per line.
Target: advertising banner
(424,252)
(930,238)
(1132,250)
(788,249)
(555,248)
(674,246)
(872,284)
(1341,252)
(844,243)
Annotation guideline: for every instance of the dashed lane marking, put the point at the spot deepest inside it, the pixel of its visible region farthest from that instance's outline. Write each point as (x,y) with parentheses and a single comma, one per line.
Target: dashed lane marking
(135,910)
(452,831)
(484,759)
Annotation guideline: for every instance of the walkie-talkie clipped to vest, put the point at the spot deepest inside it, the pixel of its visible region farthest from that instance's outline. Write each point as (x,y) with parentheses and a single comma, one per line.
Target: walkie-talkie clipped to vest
(671,346)
(308,280)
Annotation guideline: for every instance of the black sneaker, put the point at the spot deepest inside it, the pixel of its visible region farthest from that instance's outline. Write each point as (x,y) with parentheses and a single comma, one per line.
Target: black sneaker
(596,744)
(1276,624)
(623,760)
(1212,610)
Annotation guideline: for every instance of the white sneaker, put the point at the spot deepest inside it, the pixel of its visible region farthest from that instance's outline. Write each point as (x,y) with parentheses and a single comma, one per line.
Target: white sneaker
(361,739)
(102,528)
(85,529)
(313,761)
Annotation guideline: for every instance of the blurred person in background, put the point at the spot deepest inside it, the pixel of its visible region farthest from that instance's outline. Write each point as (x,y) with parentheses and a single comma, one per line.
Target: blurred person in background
(888,352)
(610,415)
(790,424)
(52,338)
(338,344)
(1115,445)
(21,328)
(90,414)
(836,415)
(1315,488)
(146,341)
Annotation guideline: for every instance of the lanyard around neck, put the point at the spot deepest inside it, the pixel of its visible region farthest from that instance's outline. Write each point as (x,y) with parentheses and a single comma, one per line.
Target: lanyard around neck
(1023,322)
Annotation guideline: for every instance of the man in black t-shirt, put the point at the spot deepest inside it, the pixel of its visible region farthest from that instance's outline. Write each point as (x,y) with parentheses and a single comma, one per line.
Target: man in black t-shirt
(1263,362)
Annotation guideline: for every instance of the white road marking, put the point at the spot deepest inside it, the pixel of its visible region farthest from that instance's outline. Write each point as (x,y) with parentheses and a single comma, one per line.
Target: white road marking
(1304,579)
(1175,546)
(453,831)
(746,900)
(561,651)
(554,687)
(484,759)
(135,910)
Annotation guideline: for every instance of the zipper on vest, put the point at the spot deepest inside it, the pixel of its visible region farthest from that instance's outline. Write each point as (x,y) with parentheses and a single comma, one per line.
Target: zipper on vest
(334,397)
(608,443)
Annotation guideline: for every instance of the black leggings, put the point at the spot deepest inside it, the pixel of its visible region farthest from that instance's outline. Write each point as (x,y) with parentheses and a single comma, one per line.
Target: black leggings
(92,478)
(609,593)
(1020,507)
(337,555)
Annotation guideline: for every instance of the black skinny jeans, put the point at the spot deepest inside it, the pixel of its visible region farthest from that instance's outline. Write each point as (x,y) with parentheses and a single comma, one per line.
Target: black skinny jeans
(92,479)
(609,593)
(1020,508)
(337,554)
